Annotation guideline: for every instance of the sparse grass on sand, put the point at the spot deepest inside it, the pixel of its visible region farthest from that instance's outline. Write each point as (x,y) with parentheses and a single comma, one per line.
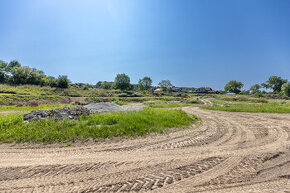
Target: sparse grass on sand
(165,104)
(95,126)
(270,106)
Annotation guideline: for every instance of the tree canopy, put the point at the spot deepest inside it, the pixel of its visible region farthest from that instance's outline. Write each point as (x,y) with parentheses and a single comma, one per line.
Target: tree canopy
(285,89)
(275,83)
(145,83)
(165,84)
(122,81)
(15,74)
(234,86)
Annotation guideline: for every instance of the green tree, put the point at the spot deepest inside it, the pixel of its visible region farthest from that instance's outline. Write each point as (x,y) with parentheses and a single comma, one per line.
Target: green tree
(3,73)
(255,88)
(122,81)
(165,84)
(234,86)
(18,75)
(63,82)
(106,85)
(285,89)
(275,83)
(14,63)
(145,83)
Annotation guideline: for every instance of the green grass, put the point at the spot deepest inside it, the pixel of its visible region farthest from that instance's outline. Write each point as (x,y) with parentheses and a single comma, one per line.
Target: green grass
(271,106)
(30,108)
(95,126)
(164,104)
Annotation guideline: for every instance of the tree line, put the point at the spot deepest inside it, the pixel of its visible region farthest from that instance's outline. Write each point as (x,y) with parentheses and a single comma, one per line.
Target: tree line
(14,73)
(277,84)
(122,82)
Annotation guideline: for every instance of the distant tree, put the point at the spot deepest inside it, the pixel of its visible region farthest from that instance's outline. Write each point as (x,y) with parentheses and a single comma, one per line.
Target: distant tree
(63,82)
(3,76)
(106,85)
(122,81)
(51,81)
(234,86)
(18,75)
(285,89)
(14,63)
(98,85)
(165,84)
(275,83)
(255,89)
(145,83)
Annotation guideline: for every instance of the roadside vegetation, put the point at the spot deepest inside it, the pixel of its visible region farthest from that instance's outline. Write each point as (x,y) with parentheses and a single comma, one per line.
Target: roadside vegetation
(95,126)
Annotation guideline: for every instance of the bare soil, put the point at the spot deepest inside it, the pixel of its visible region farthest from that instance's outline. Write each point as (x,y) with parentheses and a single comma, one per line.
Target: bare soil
(228,152)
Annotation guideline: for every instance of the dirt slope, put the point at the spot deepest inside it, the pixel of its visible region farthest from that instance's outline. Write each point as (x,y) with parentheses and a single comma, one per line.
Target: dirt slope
(229,152)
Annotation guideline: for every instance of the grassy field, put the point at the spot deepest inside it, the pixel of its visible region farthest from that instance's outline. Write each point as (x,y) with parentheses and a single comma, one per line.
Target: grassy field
(251,105)
(95,126)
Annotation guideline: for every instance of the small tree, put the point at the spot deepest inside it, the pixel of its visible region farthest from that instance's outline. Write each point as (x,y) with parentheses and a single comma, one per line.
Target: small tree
(275,83)
(106,85)
(145,83)
(3,75)
(285,90)
(255,89)
(165,84)
(122,81)
(234,86)
(63,82)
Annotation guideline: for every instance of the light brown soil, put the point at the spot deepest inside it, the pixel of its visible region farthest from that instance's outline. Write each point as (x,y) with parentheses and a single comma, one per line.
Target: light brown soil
(228,152)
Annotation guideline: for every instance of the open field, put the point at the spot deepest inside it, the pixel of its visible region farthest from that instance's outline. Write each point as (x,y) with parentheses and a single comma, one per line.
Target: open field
(243,104)
(229,152)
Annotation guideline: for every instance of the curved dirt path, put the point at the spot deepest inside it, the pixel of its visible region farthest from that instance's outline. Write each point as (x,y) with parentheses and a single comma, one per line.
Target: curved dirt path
(228,152)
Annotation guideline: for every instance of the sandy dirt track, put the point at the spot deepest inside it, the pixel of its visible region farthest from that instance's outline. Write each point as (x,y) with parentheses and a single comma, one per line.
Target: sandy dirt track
(228,152)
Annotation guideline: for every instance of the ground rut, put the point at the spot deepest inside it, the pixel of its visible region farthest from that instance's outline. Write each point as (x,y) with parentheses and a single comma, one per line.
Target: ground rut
(227,152)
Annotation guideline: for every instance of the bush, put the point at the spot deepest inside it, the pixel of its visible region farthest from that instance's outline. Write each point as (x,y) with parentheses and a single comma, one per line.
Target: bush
(285,90)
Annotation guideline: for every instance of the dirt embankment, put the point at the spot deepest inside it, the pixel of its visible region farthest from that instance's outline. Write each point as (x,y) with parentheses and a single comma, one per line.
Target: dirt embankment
(229,152)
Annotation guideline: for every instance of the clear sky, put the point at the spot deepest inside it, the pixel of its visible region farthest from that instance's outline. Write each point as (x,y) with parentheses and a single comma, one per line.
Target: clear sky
(190,42)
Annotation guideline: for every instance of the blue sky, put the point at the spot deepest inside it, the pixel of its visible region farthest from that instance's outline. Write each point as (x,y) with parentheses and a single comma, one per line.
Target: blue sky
(190,42)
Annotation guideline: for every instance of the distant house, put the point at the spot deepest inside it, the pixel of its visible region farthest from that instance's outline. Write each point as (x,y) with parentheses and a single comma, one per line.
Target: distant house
(204,90)
(176,89)
(158,90)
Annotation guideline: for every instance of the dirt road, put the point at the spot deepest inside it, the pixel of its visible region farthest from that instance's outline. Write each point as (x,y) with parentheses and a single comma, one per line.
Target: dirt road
(228,152)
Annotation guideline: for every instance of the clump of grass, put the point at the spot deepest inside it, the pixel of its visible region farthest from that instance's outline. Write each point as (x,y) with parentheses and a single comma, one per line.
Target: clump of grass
(165,104)
(193,101)
(95,126)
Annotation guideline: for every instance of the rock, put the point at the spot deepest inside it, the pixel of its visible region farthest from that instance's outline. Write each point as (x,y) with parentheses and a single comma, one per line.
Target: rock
(225,105)
(62,114)
(214,105)
(74,113)
(28,116)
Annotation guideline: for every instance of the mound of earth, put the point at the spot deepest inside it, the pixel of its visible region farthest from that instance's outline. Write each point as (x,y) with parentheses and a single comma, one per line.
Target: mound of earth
(59,113)
(74,113)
